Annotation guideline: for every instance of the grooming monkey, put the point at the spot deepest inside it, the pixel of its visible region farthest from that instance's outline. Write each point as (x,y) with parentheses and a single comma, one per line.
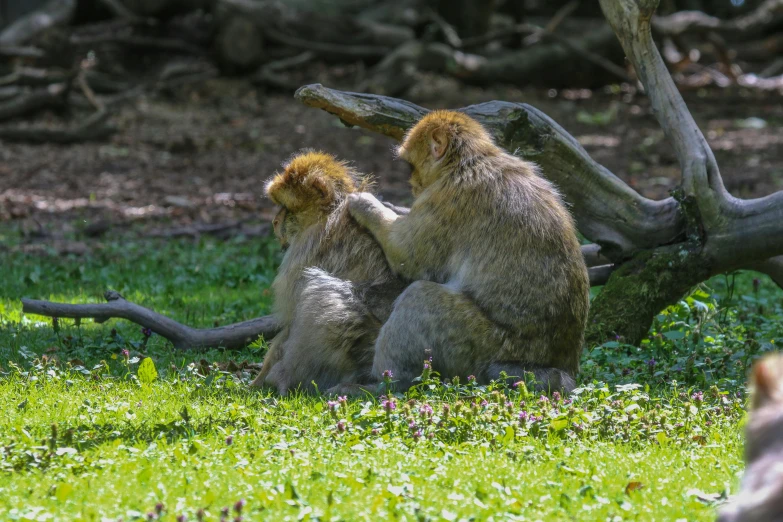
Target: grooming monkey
(761,496)
(334,287)
(500,281)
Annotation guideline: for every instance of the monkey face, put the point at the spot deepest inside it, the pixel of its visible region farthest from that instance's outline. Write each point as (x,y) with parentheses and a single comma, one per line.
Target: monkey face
(415,179)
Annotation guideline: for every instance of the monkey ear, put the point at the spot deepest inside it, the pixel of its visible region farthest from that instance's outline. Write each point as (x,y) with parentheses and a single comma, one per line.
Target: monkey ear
(323,188)
(439,142)
(767,379)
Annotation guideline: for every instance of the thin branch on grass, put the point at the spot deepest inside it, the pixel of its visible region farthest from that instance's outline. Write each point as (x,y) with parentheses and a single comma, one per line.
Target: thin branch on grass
(183,337)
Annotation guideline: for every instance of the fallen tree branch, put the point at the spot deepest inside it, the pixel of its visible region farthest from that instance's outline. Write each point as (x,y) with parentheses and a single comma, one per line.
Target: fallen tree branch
(120,11)
(150,42)
(15,51)
(682,22)
(34,77)
(51,14)
(91,128)
(53,95)
(230,337)
(325,48)
(588,55)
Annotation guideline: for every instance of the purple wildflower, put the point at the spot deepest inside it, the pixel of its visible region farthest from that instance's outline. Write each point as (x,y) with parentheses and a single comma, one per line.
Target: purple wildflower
(240,504)
(484,403)
(229,440)
(425,410)
(389,405)
(387,374)
(146,332)
(698,396)
(556,397)
(471,379)
(341,426)
(523,417)
(182,518)
(159,508)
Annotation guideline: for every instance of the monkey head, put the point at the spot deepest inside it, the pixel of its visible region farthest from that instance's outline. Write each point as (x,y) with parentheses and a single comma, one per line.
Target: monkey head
(439,143)
(310,186)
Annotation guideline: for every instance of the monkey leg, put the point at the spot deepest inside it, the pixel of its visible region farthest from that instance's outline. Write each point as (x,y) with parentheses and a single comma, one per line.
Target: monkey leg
(433,320)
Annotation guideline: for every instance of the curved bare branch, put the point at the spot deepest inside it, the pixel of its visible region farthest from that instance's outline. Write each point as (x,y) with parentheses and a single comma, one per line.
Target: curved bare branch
(735,232)
(230,337)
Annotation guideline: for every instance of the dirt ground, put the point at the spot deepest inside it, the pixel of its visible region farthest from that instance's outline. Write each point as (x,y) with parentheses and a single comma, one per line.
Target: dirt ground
(200,156)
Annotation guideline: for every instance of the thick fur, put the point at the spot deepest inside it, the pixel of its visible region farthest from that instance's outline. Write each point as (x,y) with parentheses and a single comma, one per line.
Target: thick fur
(334,287)
(502,284)
(761,497)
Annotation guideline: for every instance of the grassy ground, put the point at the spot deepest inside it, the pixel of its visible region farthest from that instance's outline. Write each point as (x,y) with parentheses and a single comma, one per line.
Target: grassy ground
(654,432)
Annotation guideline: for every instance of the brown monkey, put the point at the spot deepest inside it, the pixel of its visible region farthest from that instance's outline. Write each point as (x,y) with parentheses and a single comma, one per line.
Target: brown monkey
(501,285)
(761,497)
(334,288)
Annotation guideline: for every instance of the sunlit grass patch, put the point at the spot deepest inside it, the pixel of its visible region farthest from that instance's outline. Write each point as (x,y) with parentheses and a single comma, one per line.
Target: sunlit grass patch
(654,431)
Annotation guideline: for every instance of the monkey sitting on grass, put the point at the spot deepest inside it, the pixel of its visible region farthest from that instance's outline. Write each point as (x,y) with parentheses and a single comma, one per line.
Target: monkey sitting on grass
(500,281)
(761,497)
(334,288)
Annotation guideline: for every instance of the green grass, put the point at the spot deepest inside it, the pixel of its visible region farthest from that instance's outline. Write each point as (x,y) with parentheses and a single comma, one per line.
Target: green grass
(654,432)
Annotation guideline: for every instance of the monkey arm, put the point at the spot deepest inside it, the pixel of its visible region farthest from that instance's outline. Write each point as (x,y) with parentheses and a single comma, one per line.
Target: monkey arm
(380,221)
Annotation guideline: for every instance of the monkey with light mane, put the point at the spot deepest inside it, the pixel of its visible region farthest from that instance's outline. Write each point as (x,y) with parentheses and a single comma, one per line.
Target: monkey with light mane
(500,281)
(761,496)
(334,287)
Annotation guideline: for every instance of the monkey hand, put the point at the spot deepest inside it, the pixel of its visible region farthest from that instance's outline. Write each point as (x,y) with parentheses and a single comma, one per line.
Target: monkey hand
(368,211)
